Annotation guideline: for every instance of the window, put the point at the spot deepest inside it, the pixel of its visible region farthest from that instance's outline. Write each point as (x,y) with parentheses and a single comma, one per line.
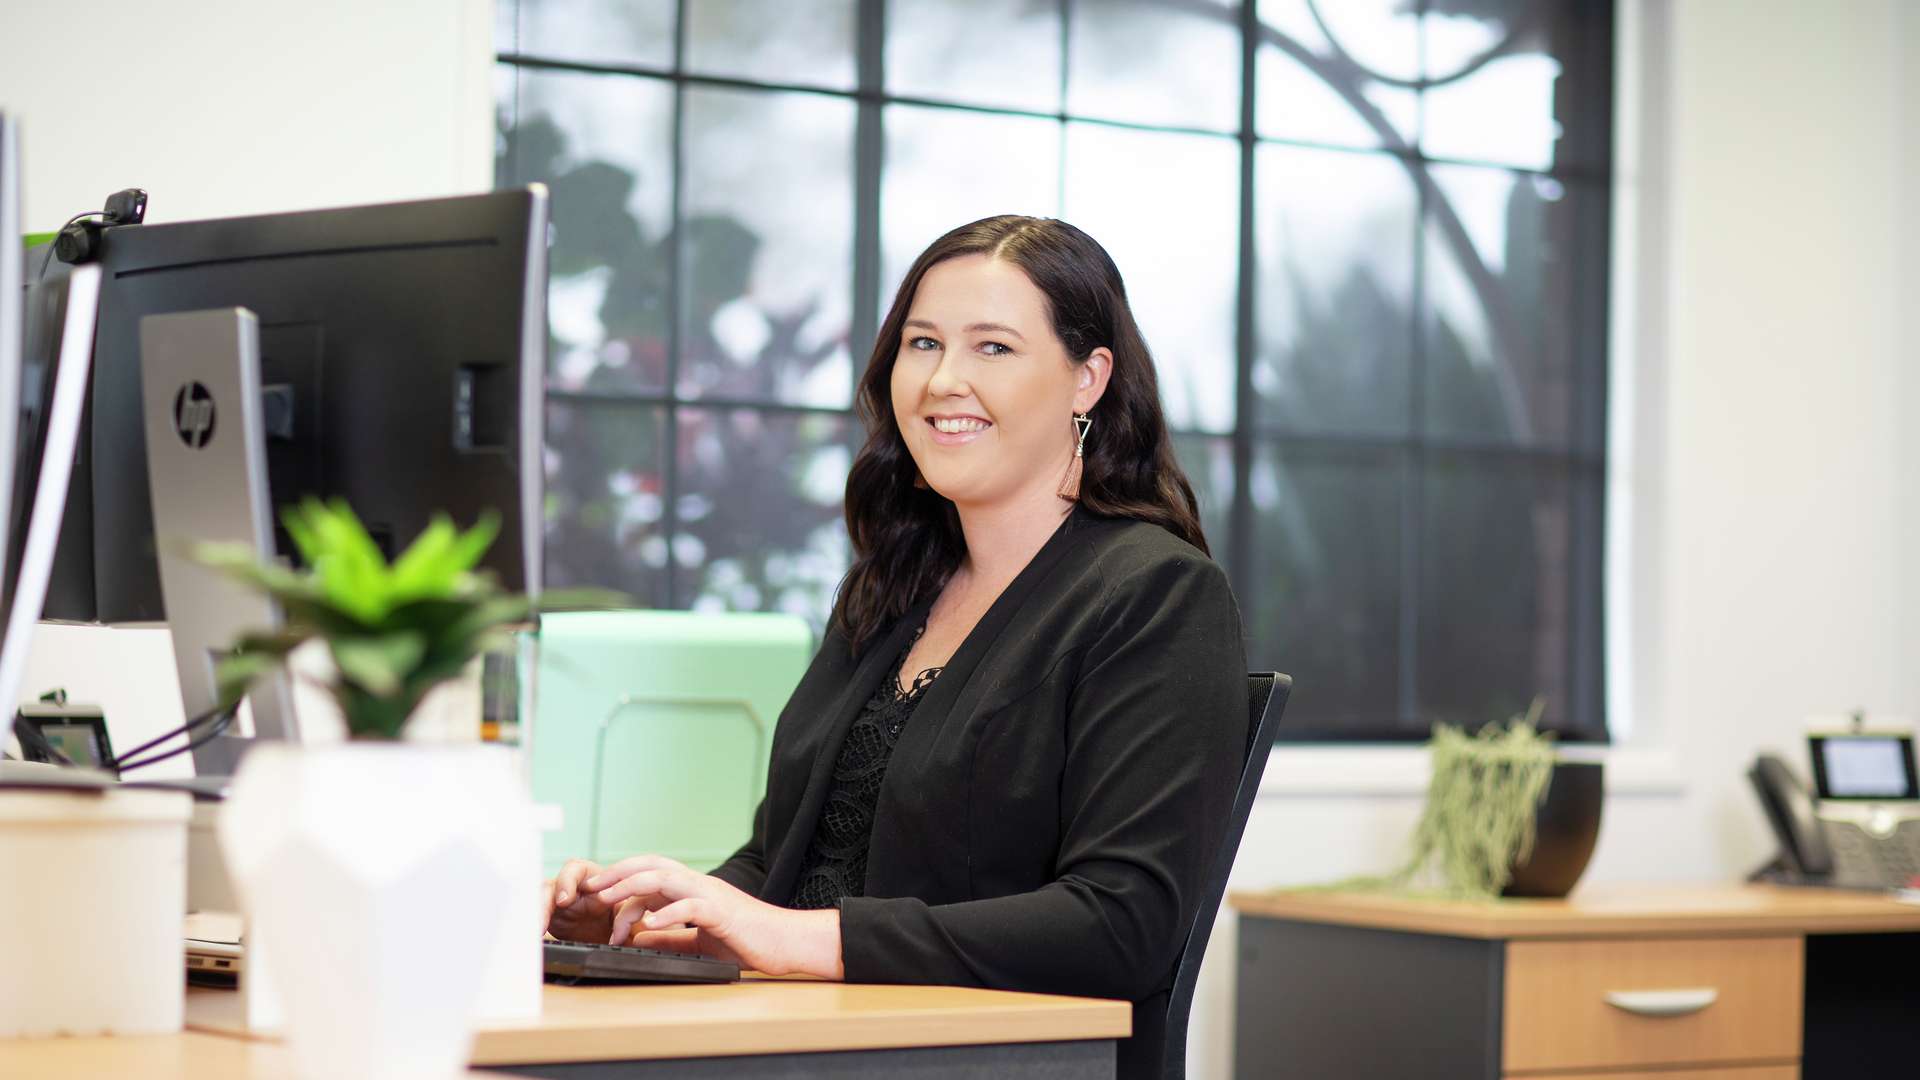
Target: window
(1367,241)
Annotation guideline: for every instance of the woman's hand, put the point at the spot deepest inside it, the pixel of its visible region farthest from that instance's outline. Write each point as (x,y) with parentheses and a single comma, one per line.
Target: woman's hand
(573,914)
(660,904)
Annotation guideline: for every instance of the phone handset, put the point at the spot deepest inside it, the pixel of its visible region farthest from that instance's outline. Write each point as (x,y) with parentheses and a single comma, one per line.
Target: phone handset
(1804,855)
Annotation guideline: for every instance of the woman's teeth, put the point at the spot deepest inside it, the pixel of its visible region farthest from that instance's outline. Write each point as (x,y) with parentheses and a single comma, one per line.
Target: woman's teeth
(955,427)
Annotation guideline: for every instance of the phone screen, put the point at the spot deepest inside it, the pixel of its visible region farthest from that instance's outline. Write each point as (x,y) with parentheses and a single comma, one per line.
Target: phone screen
(80,742)
(1864,767)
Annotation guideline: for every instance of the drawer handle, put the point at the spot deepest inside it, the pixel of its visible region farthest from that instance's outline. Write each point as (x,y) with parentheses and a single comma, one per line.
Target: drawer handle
(1663,1002)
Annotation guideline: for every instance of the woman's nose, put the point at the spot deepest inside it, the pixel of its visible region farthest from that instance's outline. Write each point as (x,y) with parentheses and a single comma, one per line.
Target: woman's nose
(947,380)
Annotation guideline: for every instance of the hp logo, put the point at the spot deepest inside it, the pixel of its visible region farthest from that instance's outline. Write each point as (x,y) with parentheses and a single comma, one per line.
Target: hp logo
(193,415)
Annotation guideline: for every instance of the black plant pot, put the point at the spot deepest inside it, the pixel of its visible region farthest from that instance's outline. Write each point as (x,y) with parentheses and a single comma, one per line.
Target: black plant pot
(1565,828)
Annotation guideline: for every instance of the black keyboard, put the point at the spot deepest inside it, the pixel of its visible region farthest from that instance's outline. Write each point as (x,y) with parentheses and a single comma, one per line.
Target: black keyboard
(574,962)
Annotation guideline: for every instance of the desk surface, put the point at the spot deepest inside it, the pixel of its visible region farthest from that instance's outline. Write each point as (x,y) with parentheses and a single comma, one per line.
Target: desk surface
(755,1016)
(189,1056)
(1607,911)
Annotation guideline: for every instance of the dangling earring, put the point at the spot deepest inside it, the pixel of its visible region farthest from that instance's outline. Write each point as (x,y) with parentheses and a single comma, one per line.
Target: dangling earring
(1070,484)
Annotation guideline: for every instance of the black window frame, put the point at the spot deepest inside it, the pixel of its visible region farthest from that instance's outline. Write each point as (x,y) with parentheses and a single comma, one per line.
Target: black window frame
(1584,719)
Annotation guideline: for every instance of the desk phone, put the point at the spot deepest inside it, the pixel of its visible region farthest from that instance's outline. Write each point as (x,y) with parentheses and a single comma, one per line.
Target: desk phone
(1860,828)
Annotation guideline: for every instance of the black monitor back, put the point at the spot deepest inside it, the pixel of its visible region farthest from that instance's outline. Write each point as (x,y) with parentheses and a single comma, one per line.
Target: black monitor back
(403,348)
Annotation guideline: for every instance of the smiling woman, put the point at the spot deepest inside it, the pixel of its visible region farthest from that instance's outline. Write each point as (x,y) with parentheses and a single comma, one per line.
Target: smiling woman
(1013,758)
(987,385)
(1018,327)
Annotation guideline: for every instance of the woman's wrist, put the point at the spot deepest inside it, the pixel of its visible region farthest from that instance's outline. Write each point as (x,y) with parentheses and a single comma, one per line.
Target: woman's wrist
(821,951)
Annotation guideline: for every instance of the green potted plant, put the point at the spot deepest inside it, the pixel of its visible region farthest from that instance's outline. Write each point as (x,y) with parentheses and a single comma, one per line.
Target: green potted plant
(1506,814)
(393,632)
(1482,797)
(334,848)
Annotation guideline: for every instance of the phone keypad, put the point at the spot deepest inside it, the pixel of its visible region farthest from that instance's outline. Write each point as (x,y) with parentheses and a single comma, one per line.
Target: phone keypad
(1862,860)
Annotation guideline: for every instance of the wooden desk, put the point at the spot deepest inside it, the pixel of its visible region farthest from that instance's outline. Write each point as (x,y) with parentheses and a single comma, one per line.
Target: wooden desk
(784,1027)
(1810,983)
(189,1056)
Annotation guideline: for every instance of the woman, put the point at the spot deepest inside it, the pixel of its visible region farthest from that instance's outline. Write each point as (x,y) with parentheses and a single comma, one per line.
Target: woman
(1015,753)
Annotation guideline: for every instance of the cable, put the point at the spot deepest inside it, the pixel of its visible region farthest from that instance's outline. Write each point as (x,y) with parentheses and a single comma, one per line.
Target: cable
(222,721)
(181,730)
(48,261)
(221,716)
(225,720)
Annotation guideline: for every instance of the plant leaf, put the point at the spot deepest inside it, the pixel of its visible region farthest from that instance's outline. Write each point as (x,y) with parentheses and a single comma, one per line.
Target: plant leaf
(380,663)
(371,716)
(395,632)
(304,539)
(235,675)
(427,567)
(487,614)
(350,567)
(240,562)
(473,544)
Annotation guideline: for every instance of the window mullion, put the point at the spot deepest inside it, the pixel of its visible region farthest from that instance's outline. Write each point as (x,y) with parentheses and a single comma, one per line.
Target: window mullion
(1239,548)
(676,304)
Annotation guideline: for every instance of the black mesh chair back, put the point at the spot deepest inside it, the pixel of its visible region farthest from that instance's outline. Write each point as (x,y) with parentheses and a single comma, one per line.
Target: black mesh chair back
(1266,699)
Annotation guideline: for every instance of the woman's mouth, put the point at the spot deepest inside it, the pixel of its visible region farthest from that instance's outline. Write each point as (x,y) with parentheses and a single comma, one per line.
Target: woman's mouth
(956,430)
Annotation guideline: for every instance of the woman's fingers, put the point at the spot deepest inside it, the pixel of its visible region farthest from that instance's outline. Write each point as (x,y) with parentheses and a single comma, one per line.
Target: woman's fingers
(651,896)
(681,941)
(644,883)
(566,884)
(602,878)
(626,918)
(546,903)
(671,883)
(693,910)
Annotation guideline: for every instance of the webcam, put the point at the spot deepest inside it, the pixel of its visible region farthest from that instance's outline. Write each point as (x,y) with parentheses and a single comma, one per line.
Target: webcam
(79,241)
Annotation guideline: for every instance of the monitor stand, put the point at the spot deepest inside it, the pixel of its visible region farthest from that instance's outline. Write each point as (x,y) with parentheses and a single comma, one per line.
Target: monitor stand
(207,460)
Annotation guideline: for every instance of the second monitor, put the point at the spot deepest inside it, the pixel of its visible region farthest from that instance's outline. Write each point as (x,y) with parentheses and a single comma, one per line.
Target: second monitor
(402,351)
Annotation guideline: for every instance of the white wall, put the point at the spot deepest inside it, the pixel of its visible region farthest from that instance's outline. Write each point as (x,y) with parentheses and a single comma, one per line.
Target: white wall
(1774,468)
(225,107)
(1909,286)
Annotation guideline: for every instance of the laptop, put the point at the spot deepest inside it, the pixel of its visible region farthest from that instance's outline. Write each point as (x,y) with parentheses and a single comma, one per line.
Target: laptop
(216,948)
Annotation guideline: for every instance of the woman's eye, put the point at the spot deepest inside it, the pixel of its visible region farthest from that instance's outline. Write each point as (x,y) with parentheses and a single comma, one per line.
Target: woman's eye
(994,348)
(922,344)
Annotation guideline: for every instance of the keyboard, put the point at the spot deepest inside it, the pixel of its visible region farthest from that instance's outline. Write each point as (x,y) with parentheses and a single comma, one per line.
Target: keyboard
(574,963)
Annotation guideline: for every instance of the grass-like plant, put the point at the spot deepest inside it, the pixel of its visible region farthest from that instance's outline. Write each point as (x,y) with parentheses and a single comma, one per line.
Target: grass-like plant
(395,631)
(1479,817)
(1482,802)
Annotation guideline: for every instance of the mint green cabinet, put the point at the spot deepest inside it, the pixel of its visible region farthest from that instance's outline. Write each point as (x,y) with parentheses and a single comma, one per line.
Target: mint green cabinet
(651,729)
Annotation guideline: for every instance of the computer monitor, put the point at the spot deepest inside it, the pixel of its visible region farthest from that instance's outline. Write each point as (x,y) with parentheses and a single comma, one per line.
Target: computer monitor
(45,401)
(12,281)
(402,353)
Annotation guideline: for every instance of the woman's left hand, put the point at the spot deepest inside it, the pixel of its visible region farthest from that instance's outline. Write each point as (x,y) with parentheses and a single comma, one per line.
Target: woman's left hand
(656,897)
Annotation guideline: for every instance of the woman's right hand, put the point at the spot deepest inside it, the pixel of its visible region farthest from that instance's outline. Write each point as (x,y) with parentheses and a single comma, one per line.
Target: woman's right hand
(573,915)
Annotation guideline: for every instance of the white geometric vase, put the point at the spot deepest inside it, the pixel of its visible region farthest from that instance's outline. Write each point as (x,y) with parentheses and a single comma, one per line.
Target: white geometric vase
(389,883)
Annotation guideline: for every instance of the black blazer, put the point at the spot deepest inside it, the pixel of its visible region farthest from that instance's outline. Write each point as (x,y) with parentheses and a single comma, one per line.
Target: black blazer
(1048,814)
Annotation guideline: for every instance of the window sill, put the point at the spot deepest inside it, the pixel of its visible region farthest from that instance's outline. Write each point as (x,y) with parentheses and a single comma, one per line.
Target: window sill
(1297,770)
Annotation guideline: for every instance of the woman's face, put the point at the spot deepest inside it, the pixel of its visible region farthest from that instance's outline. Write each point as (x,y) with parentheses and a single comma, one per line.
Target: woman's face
(982,389)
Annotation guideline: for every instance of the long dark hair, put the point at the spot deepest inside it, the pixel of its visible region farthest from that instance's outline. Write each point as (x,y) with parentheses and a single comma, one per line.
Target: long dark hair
(907,541)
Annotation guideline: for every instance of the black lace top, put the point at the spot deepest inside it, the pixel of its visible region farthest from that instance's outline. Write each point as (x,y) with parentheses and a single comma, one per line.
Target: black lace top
(836,862)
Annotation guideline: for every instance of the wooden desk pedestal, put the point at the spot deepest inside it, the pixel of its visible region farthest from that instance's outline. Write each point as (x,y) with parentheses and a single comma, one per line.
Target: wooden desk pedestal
(1763,984)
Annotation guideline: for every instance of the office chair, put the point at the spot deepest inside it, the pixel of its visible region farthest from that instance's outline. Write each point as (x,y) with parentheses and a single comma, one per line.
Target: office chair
(1266,700)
